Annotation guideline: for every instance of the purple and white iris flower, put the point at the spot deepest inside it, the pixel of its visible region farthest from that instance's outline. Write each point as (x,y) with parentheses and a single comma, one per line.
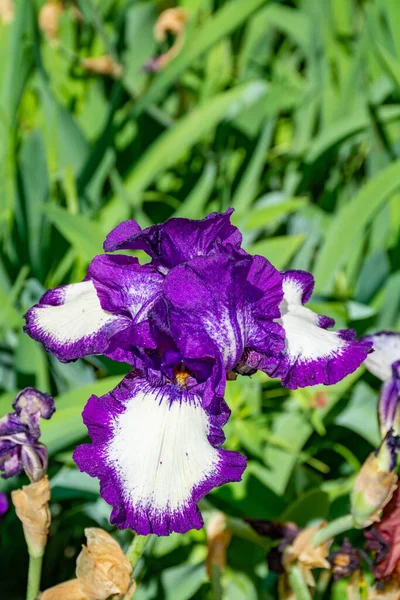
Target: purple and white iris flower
(384,363)
(200,310)
(20,449)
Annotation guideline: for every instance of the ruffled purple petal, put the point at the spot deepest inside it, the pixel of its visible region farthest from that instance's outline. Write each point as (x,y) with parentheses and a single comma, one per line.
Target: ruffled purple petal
(386,351)
(312,354)
(389,402)
(177,240)
(31,405)
(155,450)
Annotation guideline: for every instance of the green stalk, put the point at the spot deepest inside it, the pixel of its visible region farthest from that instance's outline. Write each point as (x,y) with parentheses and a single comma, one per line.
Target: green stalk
(137,548)
(298,584)
(334,528)
(34,575)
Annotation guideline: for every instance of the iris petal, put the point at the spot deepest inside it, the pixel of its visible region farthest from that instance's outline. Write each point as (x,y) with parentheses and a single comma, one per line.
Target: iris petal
(156,454)
(386,351)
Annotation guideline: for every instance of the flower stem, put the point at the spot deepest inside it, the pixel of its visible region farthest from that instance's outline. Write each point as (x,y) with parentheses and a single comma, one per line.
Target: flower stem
(334,528)
(34,576)
(137,548)
(298,584)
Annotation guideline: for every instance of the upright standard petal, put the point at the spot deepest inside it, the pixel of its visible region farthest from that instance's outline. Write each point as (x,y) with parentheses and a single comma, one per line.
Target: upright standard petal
(389,403)
(177,240)
(70,322)
(233,301)
(386,351)
(312,354)
(155,450)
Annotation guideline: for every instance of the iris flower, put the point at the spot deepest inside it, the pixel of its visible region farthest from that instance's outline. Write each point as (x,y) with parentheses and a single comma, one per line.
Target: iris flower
(20,449)
(384,363)
(200,310)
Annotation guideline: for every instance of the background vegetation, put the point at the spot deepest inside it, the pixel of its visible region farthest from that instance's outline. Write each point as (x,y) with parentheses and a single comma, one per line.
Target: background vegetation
(287,111)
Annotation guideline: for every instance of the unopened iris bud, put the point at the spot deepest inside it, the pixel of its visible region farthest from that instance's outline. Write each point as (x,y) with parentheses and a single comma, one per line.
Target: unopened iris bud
(374,486)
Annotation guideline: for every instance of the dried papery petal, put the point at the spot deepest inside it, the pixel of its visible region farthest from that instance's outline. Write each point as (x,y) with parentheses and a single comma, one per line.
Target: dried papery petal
(6,11)
(69,590)
(373,489)
(49,17)
(102,568)
(31,505)
(218,540)
(102,65)
(306,554)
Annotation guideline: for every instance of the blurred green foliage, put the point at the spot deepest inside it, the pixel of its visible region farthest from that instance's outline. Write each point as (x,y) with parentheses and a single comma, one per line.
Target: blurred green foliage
(287,111)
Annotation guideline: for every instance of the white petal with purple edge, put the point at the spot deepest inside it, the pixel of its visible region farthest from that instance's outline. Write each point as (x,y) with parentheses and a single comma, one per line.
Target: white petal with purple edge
(70,322)
(386,351)
(312,353)
(155,458)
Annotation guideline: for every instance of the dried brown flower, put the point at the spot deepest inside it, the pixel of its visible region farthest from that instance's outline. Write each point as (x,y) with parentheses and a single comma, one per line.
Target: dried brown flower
(102,567)
(69,590)
(31,505)
(6,11)
(49,17)
(102,571)
(102,65)
(306,554)
(218,540)
(345,561)
(171,21)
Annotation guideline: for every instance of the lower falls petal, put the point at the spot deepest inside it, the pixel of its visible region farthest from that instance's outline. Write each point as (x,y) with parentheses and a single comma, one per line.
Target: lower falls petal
(152,453)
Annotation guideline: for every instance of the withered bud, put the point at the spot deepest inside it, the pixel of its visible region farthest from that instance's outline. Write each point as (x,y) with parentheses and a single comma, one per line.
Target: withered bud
(49,17)
(218,540)
(373,489)
(31,505)
(172,21)
(102,65)
(102,568)
(6,11)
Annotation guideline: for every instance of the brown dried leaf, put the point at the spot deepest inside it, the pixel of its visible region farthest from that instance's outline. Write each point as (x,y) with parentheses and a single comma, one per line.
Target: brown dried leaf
(102,65)
(306,554)
(31,505)
(102,568)
(391,591)
(69,590)
(218,540)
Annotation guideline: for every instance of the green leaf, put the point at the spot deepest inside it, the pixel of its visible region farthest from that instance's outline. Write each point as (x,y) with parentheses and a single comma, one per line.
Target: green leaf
(278,250)
(66,427)
(360,415)
(173,144)
(350,221)
(85,236)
